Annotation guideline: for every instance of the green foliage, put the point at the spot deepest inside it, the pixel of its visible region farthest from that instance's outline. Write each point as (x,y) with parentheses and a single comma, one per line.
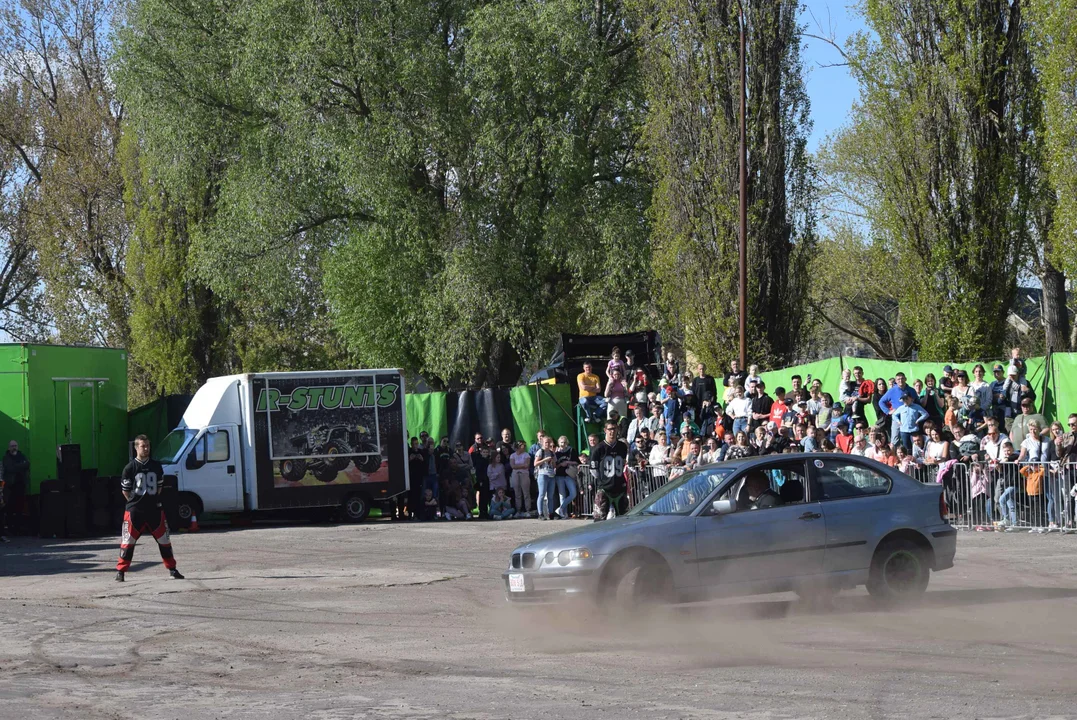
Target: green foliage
(940,160)
(60,116)
(693,90)
(852,289)
(1055,35)
(459,194)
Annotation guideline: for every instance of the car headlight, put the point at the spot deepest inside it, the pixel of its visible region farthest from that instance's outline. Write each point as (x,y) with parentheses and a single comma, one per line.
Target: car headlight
(566,556)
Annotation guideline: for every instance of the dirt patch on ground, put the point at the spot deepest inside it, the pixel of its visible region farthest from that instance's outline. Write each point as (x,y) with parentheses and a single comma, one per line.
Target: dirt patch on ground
(408,621)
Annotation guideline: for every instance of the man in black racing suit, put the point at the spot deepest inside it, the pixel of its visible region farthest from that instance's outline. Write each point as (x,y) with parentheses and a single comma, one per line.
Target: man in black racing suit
(141,484)
(608,466)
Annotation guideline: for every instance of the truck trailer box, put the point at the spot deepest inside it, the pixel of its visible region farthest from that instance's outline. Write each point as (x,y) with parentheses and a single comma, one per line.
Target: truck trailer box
(52,395)
(288,440)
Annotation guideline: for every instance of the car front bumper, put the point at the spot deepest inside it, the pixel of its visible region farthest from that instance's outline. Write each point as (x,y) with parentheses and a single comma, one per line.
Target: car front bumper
(554,585)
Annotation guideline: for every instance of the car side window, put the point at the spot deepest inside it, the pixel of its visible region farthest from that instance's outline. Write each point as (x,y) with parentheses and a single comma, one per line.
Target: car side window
(787,483)
(839,480)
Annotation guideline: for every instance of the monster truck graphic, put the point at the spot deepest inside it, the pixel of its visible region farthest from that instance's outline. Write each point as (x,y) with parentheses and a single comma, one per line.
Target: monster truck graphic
(343,443)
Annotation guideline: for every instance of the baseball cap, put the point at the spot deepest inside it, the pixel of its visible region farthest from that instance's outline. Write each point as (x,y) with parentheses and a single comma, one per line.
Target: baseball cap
(1011,370)
(947,368)
(630,353)
(997,368)
(664,382)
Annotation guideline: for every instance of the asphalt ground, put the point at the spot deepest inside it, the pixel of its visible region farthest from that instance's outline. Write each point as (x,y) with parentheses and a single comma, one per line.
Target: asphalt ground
(388,620)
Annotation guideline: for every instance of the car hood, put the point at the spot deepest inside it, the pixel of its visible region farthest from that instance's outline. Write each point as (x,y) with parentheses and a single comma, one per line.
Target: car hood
(595,533)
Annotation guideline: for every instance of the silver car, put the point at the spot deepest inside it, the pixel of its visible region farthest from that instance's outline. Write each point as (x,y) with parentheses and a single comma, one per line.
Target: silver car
(824,522)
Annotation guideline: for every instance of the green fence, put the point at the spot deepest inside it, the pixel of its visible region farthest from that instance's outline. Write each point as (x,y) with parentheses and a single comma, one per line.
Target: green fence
(1055,386)
(426,411)
(543,407)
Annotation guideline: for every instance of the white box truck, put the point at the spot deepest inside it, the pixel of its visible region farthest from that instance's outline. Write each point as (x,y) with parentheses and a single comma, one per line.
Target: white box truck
(273,441)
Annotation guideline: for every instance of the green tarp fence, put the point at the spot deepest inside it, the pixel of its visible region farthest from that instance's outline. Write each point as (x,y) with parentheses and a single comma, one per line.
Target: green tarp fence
(426,411)
(1056,391)
(550,407)
(543,407)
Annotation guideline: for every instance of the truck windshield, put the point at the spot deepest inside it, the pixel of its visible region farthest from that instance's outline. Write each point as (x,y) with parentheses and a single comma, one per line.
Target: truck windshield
(169,449)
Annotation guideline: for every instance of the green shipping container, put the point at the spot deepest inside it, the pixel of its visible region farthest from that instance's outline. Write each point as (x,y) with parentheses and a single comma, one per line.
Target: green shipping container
(52,395)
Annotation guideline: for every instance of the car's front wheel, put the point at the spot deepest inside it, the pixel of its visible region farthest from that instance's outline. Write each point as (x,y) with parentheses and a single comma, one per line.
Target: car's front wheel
(636,582)
(899,571)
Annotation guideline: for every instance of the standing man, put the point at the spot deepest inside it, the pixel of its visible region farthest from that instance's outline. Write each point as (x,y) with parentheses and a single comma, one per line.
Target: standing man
(701,385)
(608,461)
(16,467)
(480,459)
(141,483)
(761,404)
(735,376)
(892,400)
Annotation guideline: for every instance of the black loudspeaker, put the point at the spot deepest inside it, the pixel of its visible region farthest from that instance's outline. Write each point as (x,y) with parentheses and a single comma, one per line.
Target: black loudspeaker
(69,463)
(53,509)
(75,514)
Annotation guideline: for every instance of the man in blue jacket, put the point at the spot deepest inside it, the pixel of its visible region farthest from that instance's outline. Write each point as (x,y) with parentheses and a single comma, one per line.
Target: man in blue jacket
(891,401)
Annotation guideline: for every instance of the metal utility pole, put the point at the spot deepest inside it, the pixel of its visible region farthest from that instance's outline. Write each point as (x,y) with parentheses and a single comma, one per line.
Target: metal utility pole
(743,197)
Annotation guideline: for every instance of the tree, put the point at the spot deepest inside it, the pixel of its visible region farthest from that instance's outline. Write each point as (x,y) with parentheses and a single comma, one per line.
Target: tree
(1054,26)
(939,160)
(459,195)
(852,292)
(693,91)
(23,314)
(63,122)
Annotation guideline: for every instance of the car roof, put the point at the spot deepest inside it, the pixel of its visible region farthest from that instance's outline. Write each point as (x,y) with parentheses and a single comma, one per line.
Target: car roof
(748,462)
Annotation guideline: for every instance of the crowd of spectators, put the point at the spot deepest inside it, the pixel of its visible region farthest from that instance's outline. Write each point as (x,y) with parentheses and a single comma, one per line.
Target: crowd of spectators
(658,422)
(672,420)
(500,479)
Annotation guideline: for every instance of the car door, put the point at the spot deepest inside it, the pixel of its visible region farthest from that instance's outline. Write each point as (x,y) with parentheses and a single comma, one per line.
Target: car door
(761,550)
(857,509)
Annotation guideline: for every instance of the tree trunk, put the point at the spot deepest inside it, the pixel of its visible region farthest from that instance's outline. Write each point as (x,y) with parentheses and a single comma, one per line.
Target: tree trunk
(1056,321)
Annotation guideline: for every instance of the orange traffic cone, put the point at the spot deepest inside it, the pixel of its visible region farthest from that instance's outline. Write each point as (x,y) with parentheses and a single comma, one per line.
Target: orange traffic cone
(193,527)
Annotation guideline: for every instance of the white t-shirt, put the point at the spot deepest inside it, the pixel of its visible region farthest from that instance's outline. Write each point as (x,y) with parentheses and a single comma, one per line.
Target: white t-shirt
(659,458)
(1035,450)
(993,448)
(739,407)
(935,450)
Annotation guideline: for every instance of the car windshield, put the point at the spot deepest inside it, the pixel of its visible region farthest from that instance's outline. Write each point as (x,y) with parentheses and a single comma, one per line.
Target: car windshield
(168,450)
(683,495)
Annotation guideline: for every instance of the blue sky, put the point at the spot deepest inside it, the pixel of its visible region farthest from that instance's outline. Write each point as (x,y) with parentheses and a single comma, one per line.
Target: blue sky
(831,89)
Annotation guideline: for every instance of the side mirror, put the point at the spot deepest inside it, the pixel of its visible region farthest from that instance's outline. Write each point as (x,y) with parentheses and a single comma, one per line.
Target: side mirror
(724,507)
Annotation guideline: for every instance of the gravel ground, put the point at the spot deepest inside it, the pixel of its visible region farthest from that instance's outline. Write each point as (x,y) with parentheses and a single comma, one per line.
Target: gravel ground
(391,620)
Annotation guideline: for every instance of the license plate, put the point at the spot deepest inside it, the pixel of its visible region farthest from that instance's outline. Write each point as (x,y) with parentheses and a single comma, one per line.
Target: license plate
(516,583)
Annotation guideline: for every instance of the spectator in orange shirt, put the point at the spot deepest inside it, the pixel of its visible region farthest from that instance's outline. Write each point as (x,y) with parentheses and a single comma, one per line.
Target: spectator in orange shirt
(591,399)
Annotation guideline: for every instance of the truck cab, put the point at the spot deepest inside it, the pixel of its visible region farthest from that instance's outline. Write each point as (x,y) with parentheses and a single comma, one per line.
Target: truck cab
(206,452)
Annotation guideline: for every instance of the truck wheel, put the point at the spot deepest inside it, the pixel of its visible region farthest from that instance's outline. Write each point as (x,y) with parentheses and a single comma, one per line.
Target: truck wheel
(355,508)
(326,471)
(187,504)
(336,447)
(370,464)
(293,470)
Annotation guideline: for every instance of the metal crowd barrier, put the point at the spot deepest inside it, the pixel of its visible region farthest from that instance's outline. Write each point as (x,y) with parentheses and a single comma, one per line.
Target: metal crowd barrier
(1013,497)
(982,495)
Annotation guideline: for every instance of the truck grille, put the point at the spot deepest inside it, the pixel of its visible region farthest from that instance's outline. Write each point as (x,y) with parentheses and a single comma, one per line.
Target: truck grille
(529,560)
(516,561)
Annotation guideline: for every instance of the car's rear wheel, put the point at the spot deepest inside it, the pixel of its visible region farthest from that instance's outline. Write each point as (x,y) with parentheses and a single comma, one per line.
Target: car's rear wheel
(638,582)
(899,571)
